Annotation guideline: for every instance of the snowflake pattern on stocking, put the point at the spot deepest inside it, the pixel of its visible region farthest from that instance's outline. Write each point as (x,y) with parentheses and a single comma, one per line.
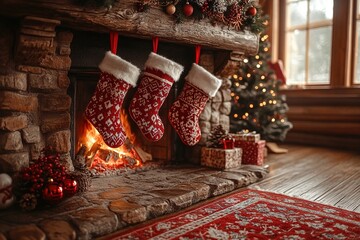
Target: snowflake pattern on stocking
(185,111)
(144,107)
(103,110)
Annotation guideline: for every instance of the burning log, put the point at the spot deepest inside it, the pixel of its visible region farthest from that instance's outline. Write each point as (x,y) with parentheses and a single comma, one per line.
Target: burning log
(107,155)
(90,155)
(142,155)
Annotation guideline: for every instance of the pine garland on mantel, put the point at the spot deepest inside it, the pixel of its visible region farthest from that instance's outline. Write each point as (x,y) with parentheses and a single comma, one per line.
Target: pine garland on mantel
(236,14)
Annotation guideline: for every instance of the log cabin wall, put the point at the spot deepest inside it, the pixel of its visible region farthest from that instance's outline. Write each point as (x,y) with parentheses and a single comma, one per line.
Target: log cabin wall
(325,117)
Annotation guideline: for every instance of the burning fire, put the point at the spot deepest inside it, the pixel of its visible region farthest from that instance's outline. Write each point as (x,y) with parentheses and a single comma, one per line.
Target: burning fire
(101,157)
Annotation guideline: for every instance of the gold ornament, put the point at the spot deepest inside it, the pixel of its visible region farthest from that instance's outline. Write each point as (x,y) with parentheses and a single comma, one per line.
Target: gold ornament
(170,9)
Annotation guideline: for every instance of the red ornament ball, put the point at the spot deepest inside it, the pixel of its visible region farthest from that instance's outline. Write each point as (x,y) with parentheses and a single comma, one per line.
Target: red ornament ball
(70,187)
(53,193)
(188,9)
(251,11)
(170,9)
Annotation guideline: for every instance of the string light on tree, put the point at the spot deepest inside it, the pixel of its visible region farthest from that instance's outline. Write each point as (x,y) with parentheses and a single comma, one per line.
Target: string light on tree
(260,108)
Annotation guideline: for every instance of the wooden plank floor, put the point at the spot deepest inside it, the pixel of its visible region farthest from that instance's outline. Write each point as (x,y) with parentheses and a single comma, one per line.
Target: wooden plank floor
(329,176)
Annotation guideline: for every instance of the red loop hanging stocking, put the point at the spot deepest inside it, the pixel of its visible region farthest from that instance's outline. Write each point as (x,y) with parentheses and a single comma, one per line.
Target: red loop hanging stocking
(103,110)
(156,80)
(184,113)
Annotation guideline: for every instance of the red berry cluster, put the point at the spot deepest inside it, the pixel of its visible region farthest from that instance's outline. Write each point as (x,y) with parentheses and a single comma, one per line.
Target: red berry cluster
(35,177)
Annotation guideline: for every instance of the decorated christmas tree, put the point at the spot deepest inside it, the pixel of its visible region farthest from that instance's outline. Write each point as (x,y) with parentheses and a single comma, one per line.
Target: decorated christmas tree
(256,102)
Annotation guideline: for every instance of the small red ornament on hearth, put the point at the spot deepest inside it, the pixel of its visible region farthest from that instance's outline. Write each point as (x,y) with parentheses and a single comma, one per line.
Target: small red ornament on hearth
(251,11)
(70,187)
(188,9)
(53,192)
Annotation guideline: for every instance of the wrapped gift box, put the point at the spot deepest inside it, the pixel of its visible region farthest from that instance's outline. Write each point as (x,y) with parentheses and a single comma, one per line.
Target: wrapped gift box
(246,136)
(221,158)
(253,152)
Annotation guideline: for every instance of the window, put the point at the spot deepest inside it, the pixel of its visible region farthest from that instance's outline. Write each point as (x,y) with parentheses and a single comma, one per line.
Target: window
(319,42)
(357,46)
(308,41)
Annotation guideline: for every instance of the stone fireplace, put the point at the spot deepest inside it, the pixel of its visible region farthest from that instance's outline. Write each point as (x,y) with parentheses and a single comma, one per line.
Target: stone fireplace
(49,56)
(48,76)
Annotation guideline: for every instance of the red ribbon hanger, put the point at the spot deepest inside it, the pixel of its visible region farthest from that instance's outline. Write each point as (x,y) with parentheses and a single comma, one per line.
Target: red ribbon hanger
(114,36)
(155,42)
(197,53)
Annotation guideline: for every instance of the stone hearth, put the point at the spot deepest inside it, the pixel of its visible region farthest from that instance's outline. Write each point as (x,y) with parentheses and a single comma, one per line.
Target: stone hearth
(115,203)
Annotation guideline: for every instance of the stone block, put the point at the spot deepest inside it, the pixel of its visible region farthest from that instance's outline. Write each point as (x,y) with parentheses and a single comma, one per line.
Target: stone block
(6,40)
(35,150)
(56,62)
(13,162)
(64,38)
(17,102)
(31,134)
(215,117)
(226,83)
(128,212)
(13,123)
(218,186)
(31,231)
(55,122)
(48,80)
(11,141)
(226,95)
(35,42)
(55,102)
(224,120)
(94,221)
(38,23)
(58,229)
(14,81)
(36,32)
(217,97)
(66,161)
(29,69)
(203,139)
(63,80)
(206,113)
(60,141)
(205,126)
(64,51)
(215,106)
(225,108)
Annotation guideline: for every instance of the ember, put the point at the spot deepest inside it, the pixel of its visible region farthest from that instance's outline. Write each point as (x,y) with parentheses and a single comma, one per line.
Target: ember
(100,158)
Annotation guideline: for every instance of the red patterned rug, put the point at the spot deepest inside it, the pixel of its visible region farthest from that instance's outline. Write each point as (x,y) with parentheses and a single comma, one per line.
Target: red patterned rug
(253,214)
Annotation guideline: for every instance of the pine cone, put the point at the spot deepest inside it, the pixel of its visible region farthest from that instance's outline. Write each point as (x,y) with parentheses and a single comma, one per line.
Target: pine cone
(83,179)
(28,202)
(216,136)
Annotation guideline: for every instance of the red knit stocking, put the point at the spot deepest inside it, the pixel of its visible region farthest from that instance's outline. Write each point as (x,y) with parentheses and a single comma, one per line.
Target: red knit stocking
(103,110)
(185,111)
(155,83)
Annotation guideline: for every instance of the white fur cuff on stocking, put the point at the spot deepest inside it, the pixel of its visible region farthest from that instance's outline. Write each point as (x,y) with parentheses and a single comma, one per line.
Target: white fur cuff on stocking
(201,78)
(120,68)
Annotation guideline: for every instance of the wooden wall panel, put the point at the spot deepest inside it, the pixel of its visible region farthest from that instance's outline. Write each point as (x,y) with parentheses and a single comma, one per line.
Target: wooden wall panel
(325,117)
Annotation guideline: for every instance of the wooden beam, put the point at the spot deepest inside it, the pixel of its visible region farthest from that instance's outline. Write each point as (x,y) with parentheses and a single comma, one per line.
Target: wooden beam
(124,18)
(340,54)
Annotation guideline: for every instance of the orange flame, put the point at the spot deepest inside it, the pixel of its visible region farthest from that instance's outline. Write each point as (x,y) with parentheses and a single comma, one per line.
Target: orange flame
(116,157)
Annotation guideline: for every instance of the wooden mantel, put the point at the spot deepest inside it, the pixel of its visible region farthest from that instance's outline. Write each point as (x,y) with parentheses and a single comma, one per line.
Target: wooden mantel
(124,18)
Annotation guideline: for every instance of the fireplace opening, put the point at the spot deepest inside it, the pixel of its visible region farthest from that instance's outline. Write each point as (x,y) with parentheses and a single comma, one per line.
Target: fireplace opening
(136,153)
